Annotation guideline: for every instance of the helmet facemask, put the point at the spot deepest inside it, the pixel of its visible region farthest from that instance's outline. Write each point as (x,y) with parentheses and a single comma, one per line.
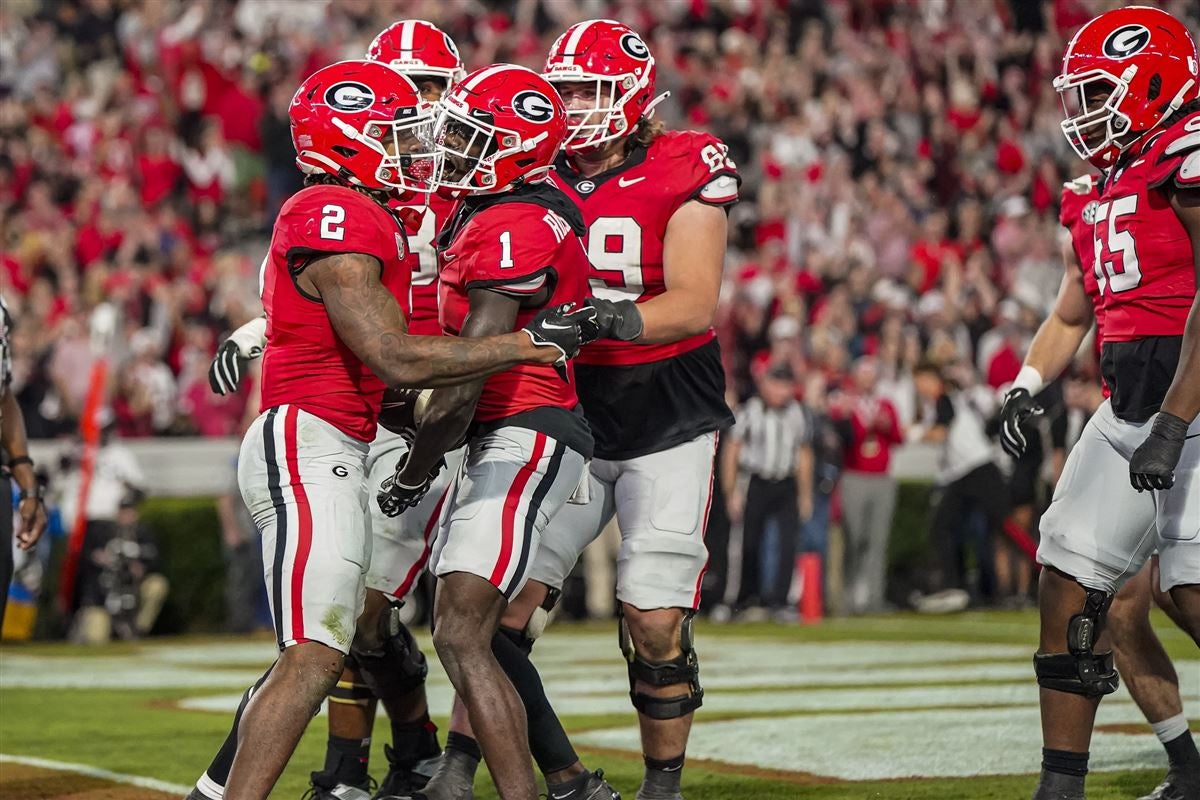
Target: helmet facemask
(604,120)
(468,149)
(1094,129)
(407,160)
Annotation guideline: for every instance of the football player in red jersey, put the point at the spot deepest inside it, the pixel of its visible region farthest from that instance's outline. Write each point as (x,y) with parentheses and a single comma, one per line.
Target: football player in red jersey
(1147,669)
(1129,86)
(399,545)
(512,247)
(653,205)
(337,338)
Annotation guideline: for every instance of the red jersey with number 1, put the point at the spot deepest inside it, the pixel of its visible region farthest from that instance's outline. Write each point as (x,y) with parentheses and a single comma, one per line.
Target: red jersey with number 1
(523,244)
(1144,266)
(422,258)
(305,363)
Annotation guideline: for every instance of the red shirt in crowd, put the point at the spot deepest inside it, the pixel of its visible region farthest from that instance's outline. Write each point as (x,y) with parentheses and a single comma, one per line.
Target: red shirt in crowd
(875,430)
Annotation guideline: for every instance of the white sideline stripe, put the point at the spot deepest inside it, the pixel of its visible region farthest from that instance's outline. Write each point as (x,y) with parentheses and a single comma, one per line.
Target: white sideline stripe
(96,772)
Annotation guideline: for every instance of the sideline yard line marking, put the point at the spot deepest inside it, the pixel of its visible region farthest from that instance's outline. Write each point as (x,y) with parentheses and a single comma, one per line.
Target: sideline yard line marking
(96,772)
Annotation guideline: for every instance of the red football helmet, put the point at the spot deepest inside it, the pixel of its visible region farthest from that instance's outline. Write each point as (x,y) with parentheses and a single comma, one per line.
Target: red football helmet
(501,125)
(418,48)
(620,64)
(1141,62)
(345,116)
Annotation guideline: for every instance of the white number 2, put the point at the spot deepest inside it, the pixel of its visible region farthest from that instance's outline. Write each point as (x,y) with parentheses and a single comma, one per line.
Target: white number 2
(506,261)
(1112,275)
(331,223)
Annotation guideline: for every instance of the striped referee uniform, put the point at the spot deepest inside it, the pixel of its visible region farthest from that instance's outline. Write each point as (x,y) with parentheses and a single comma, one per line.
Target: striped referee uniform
(770,444)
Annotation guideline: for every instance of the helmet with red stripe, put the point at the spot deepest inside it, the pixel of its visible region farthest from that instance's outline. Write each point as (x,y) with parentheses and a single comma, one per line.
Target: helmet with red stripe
(419,49)
(1123,74)
(501,125)
(364,123)
(617,67)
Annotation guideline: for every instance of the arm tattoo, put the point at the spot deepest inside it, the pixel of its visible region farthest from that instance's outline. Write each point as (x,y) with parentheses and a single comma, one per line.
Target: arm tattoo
(367,318)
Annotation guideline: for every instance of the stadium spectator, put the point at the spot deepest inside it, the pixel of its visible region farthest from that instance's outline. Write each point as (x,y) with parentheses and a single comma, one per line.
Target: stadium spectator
(871,429)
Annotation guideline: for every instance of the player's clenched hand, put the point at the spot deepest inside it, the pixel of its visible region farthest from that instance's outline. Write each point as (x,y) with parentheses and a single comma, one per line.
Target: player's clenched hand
(563,329)
(1019,408)
(621,320)
(1152,465)
(395,497)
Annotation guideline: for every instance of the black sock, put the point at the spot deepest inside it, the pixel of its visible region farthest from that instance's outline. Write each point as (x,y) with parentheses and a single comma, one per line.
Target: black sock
(548,741)
(1064,762)
(662,777)
(464,744)
(567,788)
(345,762)
(1181,751)
(222,763)
(414,741)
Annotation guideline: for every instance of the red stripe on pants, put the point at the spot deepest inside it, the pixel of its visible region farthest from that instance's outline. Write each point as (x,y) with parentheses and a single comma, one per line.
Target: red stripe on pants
(510,509)
(704,525)
(416,568)
(304,513)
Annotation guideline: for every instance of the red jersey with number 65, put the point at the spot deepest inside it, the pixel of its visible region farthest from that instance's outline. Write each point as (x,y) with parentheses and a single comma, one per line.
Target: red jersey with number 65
(1144,266)
(645,398)
(428,219)
(524,244)
(305,363)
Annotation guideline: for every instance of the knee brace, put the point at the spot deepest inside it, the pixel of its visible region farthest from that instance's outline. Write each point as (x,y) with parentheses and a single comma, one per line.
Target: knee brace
(398,666)
(684,668)
(1081,670)
(541,616)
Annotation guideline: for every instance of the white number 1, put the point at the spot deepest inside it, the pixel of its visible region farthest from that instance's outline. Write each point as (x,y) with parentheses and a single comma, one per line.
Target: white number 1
(506,261)
(331,223)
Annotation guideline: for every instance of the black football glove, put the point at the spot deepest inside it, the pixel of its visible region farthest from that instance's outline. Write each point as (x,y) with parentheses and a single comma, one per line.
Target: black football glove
(621,320)
(229,364)
(1019,408)
(1152,465)
(398,413)
(566,328)
(395,498)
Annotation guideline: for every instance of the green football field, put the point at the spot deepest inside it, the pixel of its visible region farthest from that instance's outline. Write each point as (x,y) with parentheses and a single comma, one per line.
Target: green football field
(880,707)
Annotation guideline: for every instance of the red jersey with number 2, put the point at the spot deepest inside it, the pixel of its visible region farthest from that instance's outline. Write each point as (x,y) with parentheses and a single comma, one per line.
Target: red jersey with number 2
(305,363)
(427,220)
(626,211)
(519,249)
(1143,256)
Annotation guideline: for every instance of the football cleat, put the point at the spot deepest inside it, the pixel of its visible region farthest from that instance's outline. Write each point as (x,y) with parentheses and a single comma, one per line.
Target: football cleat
(401,780)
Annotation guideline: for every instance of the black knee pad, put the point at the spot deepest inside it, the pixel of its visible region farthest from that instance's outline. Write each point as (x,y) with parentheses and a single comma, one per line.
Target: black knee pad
(398,667)
(684,668)
(1081,670)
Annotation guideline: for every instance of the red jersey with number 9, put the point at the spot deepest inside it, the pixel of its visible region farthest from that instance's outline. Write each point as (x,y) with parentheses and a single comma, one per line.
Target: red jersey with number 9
(520,245)
(1144,266)
(626,210)
(422,259)
(305,363)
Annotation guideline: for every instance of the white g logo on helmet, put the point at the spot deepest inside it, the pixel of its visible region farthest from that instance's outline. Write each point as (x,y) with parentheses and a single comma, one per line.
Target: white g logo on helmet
(349,96)
(1126,41)
(634,46)
(533,106)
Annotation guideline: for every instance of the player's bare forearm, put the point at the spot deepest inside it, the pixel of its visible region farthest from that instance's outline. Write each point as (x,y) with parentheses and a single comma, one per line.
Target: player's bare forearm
(693,258)
(367,318)
(12,436)
(1059,337)
(451,409)
(1183,398)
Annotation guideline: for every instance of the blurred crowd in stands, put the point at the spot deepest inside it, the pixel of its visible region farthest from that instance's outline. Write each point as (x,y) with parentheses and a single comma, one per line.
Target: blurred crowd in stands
(902,163)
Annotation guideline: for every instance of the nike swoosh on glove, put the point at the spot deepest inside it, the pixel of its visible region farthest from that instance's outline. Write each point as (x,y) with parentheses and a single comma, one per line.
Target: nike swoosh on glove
(1152,465)
(1019,408)
(395,498)
(566,328)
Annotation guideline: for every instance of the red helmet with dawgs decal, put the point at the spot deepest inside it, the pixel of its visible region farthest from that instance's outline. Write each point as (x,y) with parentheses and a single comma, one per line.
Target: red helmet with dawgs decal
(613,57)
(1123,73)
(418,49)
(501,125)
(365,123)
